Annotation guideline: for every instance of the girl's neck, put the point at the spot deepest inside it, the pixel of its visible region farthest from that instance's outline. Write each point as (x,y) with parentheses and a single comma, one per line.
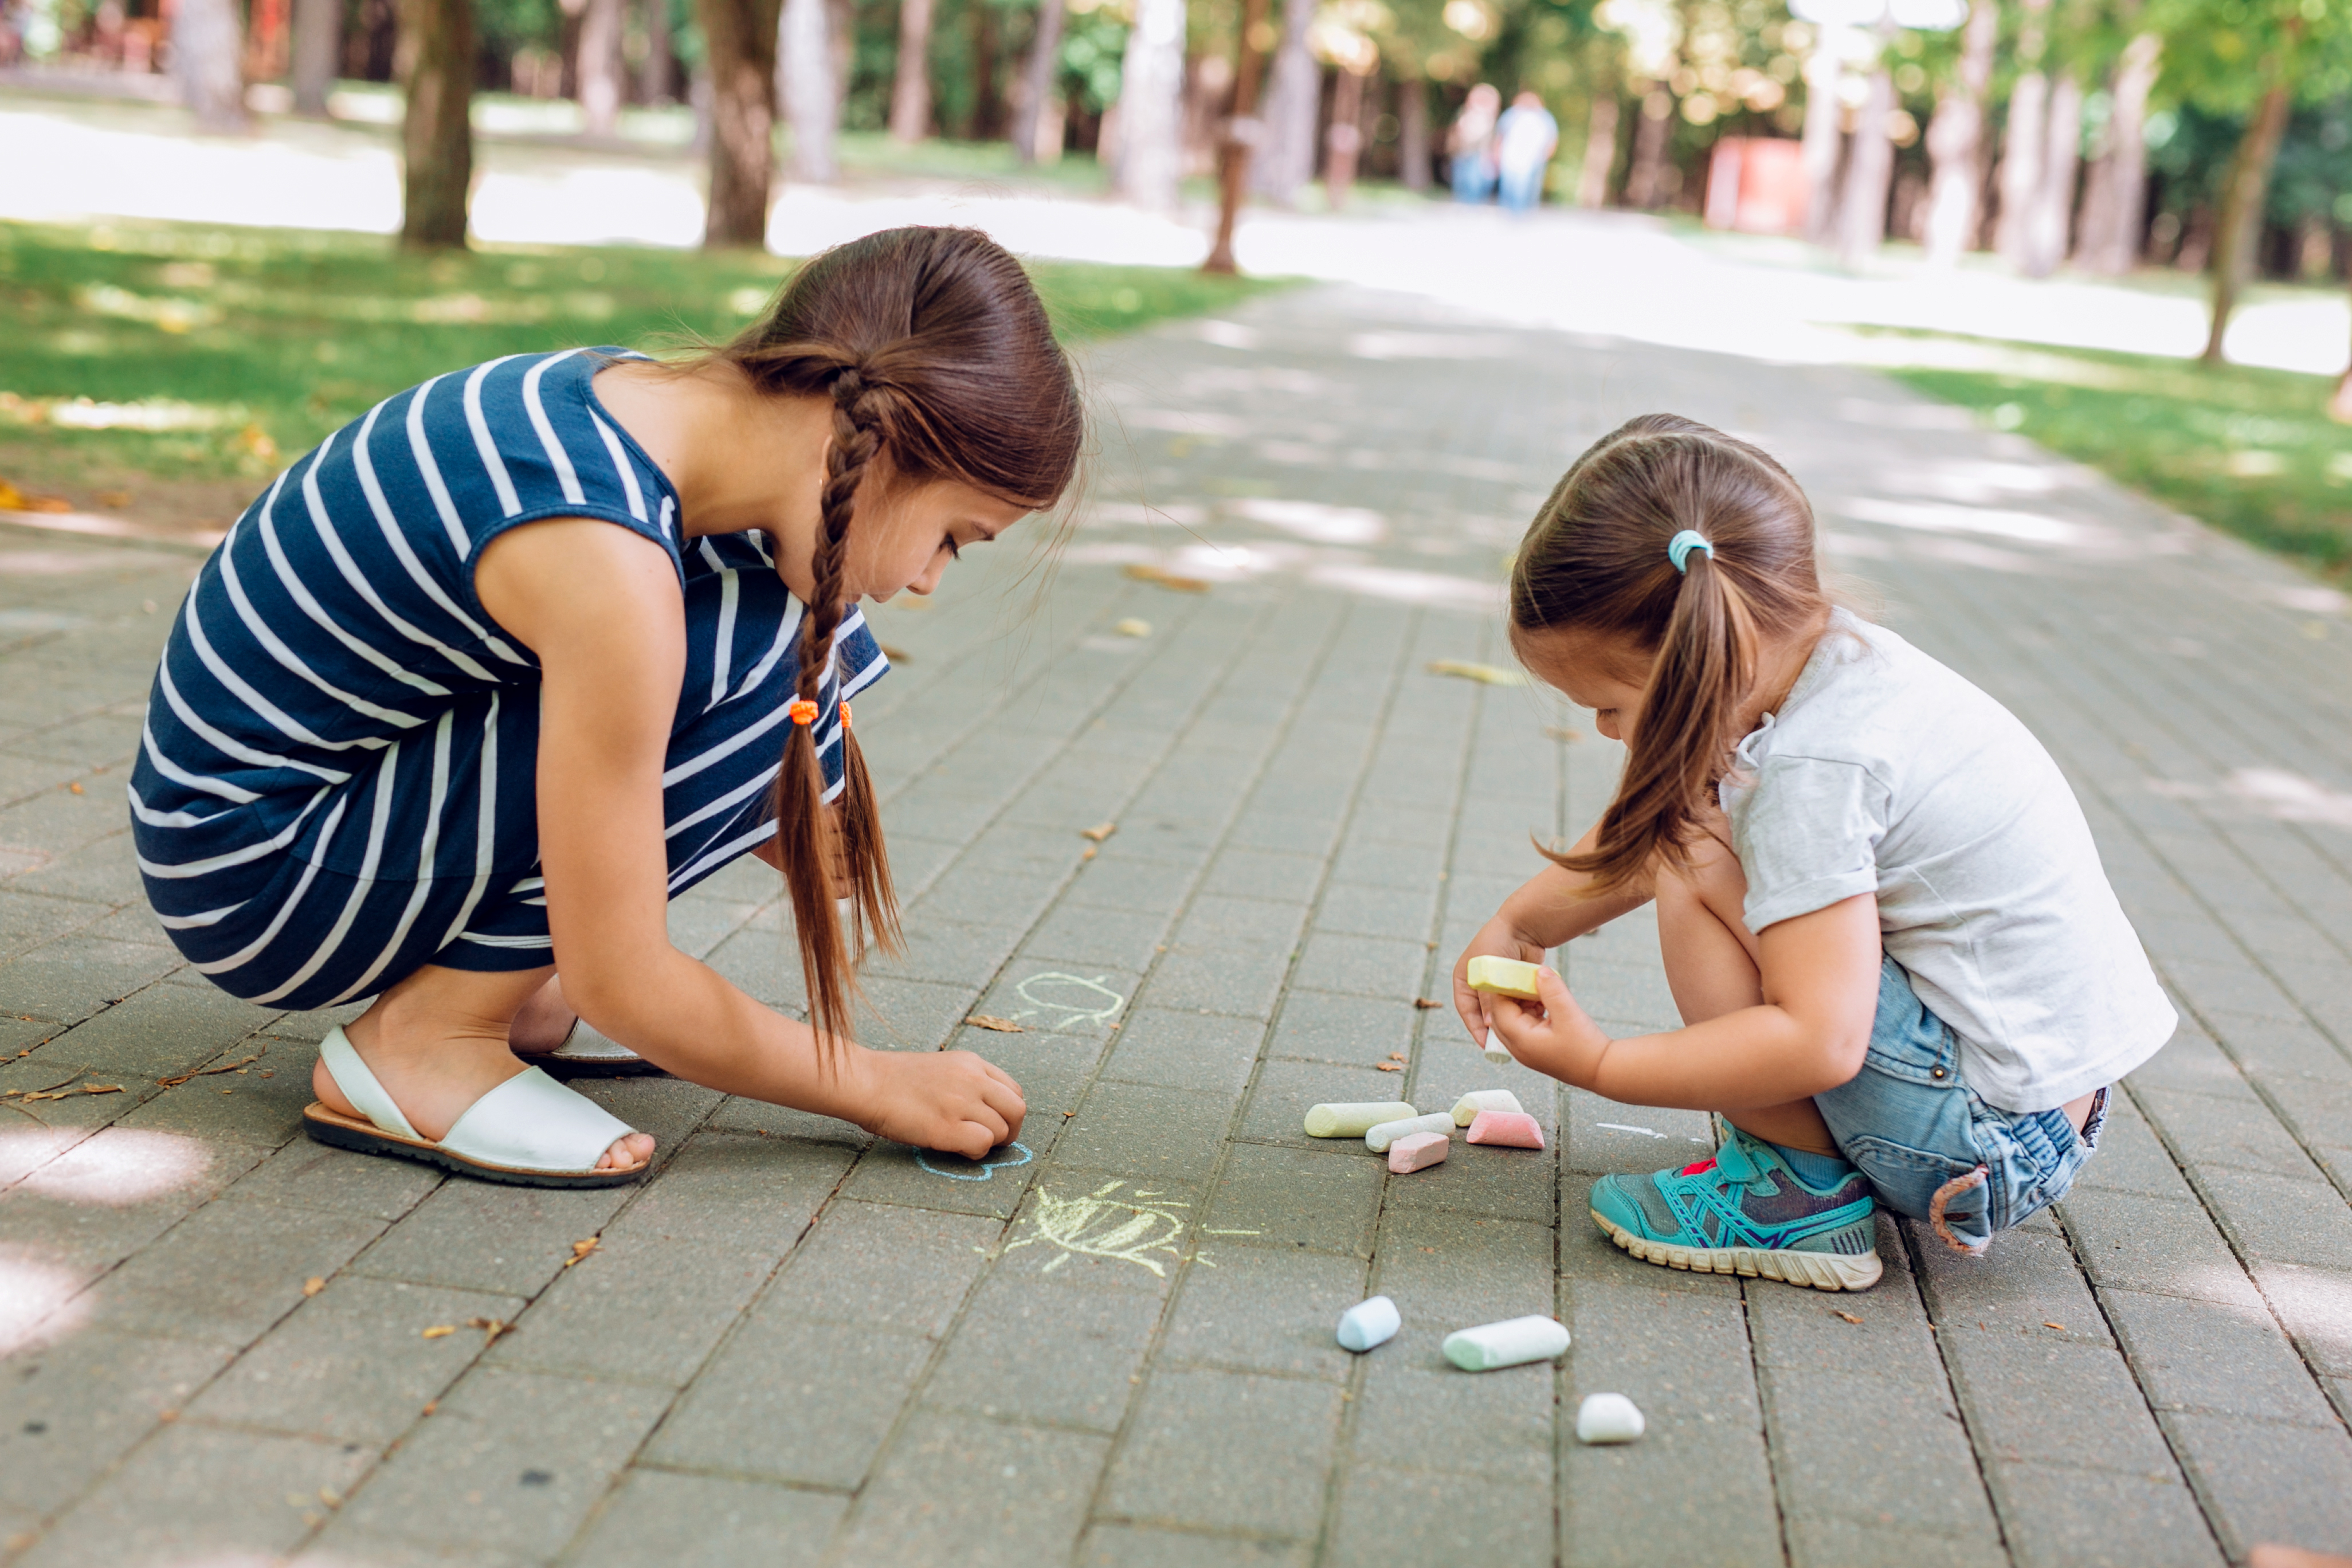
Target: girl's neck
(1779,666)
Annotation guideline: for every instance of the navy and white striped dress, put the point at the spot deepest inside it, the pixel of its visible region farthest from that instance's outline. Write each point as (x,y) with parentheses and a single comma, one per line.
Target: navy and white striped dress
(337,784)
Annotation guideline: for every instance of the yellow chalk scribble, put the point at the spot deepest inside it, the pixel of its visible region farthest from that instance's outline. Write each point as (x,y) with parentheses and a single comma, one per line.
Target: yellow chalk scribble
(1104,1225)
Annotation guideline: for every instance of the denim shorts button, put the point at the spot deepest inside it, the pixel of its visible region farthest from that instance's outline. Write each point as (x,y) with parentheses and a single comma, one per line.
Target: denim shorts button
(1934,1072)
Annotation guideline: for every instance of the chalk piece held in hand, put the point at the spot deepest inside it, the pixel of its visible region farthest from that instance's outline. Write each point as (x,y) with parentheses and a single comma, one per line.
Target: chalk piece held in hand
(1503,976)
(1417,1152)
(1369,1324)
(1467,1108)
(1496,1051)
(1607,1418)
(1378,1138)
(1511,1343)
(1507,1130)
(1354,1119)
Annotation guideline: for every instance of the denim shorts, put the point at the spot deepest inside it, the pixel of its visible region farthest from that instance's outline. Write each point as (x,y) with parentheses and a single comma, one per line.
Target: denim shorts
(1914,1128)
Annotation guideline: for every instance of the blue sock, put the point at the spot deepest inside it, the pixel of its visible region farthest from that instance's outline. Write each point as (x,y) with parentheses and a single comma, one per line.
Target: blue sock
(1816,1170)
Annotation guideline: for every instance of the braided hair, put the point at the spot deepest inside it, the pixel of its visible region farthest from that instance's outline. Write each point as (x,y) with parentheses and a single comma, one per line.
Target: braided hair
(938,361)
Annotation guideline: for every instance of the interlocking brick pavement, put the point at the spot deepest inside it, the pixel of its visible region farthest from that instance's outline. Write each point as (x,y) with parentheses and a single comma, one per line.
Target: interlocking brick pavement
(795,1345)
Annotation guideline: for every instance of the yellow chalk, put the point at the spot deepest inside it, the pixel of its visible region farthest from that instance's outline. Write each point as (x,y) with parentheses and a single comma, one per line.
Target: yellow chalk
(1504,977)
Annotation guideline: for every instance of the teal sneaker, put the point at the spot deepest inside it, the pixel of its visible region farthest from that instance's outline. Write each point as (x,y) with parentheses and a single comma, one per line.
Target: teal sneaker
(1745,1211)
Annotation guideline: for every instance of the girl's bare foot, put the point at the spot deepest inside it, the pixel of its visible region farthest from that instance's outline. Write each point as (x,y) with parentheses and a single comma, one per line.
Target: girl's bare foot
(543,1022)
(437,1042)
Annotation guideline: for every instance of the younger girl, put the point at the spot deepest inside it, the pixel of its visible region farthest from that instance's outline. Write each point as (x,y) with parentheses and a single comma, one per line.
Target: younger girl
(527,651)
(1904,977)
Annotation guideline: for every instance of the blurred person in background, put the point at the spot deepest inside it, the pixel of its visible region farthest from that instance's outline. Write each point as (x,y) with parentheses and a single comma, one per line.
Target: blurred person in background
(1471,144)
(1525,139)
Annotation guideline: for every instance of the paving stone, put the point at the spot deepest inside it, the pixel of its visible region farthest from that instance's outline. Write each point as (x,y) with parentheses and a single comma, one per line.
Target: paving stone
(1883,1543)
(749,1413)
(1284,1090)
(1363,966)
(1148,1130)
(1257,1308)
(2233,1133)
(929,1179)
(1219,921)
(1388,1517)
(192,1493)
(1828,1428)
(1031,1349)
(2207,1356)
(69,980)
(512,1461)
(951,951)
(2130,1159)
(76,1405)
(1086,936)
(159,1032)
(1142,887)
(2029,1399)
(2281,1220)
(239,1106)
(2315,1307)
(1603,1136)
(474,1236)
(1514,1184)
(1235,1450)
(1135,1546)
(2261,1481)
(1047,999)
(304,1175)
(1242,981)
(958,1488)
(1091,1232)
(2036,1283)
(2130,1242)
(352,1363)
(1324,1202)
(228,1271)
(1207,1052)
(2061,1514)
(900,1268)
(1362,1031)
(1264,874)
(707,1522)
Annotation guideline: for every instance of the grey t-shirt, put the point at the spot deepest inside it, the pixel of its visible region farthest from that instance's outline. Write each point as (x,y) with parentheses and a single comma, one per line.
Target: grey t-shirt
(1885,772)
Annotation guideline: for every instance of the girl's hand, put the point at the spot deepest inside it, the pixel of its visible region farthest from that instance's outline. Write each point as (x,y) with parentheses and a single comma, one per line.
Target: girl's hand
(1552,1036)
(950,1100)
(1499,938)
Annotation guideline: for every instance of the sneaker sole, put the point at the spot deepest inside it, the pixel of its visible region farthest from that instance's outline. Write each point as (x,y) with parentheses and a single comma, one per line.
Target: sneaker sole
(1817,1270)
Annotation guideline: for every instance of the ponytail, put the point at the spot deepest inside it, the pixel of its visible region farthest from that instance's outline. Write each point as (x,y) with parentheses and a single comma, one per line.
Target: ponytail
(1612,555)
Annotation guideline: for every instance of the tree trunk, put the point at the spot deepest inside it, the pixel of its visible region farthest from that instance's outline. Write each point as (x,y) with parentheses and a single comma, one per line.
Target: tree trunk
(208,56)
(1041,77)
(437,136)
(318,44)
(2115,202)
(1242,133)
(987,108)
(841,20)
(1152,106)
(1600,151)
(2242,200)
(1343,139)
(910,89)
(2050,221)
(740,54)
(1956,140)
(1861,205)
(1643,187)
(1824,70)
(602,78)
(655,82)
(804,75)
(1412,133)
(1286,158)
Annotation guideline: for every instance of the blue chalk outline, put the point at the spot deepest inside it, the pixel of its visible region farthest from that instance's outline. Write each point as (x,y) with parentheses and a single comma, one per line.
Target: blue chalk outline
(988,1168)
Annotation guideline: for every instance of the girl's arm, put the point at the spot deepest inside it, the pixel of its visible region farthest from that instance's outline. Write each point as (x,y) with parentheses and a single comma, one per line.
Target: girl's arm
(1821,976)
(601,608)
(1555,907)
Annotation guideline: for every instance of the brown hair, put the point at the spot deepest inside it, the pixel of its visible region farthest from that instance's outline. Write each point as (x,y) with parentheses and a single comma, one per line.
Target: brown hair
(1595,562)
(941,364)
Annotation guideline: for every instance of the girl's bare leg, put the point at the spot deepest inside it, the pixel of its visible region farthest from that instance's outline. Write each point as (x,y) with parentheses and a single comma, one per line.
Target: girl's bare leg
(440,1039)
(1712,967)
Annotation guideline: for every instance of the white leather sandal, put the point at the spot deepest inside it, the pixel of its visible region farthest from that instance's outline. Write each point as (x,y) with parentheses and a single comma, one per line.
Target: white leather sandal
(586,1053)
(530,1130)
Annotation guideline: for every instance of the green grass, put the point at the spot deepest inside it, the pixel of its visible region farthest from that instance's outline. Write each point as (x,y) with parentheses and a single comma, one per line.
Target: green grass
(245,346)
(2252,452)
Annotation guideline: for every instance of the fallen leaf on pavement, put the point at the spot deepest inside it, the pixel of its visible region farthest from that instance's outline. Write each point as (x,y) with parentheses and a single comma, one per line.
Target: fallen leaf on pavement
(1392,1067)
(440,1330)
(207,1072)
(1143,572)
(313,1285)
(491,1329)
(1426,1002)
(2048,1324)
(1099,831)
(1483,674)
(101,1088)
(1001,1025)
(1849,1316)
(896,655)
(581,1249)
(1131,627)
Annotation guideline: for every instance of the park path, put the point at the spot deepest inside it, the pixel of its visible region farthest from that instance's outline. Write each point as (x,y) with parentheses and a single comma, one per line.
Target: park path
(793,1344)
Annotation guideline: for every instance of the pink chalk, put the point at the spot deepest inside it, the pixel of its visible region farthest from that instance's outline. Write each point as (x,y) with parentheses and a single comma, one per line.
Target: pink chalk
(1508,1129)
(1418,1152)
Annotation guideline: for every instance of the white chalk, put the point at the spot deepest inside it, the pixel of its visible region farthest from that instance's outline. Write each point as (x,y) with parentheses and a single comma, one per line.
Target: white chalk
(1494,1051)
(1467,1108)
(1378,1138)
(1607,1418)
(1509,1343)
(1353,1120)
(1369,1324)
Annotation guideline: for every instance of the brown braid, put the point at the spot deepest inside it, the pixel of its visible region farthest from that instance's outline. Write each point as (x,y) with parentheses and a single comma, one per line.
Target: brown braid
(938,358)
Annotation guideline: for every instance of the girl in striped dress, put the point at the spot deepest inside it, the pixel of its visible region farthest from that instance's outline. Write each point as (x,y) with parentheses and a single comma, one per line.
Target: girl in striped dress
(481,683)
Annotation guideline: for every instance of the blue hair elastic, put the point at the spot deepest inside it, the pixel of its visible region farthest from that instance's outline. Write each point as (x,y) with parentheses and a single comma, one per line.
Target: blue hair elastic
(1679,547)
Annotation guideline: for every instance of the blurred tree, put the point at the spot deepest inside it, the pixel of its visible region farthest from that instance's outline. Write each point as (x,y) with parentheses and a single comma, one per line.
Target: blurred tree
(807,78)
(601,83)
(1870,163)
(2024,157)
(1241,133)
(1041,73)
(208,56)
(2115,194)
(1955,139)
(738,39)
(910,97)
(437,133)
(1285,159)
(1152,106)
(317,44)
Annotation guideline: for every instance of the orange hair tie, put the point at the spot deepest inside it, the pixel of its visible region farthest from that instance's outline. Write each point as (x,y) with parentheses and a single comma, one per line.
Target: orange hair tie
(844,715)
(803,710)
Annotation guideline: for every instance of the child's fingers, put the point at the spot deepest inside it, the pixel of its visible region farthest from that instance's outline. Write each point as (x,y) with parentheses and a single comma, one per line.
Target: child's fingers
(1551,989)
(1004,1100)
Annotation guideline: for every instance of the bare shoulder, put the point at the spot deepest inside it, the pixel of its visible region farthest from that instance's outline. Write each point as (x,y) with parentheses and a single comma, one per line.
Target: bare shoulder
(567,581)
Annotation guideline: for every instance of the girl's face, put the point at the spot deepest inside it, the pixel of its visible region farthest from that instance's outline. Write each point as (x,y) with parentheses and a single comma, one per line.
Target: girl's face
(1592,673)
(907,540)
